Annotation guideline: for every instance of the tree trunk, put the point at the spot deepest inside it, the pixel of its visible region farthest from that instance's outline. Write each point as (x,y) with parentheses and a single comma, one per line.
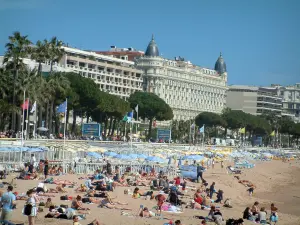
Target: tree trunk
(87,117)
(150,128)
(110,124)
(40,115)
(40,68)
(51,66)
(67,120)
(14,114)
(51,117)
(105,126)
(19,121)
(113,128)
(74,122)
(47,116)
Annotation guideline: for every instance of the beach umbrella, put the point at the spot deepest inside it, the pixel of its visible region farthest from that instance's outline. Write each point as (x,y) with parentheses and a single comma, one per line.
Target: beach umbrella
(124,157)
(94,155)
(111,154)
(154,159)
(193,157)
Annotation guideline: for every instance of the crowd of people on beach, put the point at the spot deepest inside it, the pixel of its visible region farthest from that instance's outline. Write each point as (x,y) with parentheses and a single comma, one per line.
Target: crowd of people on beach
(169,194)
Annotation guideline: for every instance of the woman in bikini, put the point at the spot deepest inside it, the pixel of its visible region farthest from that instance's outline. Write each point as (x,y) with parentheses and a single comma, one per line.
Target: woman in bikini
(108,203)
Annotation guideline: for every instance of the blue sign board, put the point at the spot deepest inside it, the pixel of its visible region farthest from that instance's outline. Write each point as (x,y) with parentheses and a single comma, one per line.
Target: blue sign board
(257,141)
(163,134)
(91,129)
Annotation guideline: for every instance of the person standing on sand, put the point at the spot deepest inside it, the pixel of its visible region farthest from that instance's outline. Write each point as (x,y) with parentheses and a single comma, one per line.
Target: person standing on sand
(32,163)
(8,200)
(213,163)
(31,201)
(199,172)
(212,189)
(46,168)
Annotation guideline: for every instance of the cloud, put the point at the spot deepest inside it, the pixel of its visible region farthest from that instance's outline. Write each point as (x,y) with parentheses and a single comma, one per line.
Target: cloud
(20,4)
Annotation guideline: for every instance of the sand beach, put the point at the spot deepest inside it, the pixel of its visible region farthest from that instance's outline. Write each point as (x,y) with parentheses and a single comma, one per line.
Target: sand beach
(277,182)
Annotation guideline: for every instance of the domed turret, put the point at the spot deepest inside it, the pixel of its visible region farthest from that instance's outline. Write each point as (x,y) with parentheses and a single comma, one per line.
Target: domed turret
(220,65)
(152,49)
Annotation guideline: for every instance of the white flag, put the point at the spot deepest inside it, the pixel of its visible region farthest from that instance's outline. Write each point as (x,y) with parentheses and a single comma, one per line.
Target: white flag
(137,108)
(33,107)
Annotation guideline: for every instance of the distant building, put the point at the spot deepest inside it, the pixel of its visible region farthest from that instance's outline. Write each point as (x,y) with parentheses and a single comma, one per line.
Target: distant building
(122,53)
(187,88)
(254,100)
(290,100)
(116,76)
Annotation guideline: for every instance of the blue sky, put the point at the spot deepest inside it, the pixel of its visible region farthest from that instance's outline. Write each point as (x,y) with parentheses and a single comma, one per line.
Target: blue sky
(259,39)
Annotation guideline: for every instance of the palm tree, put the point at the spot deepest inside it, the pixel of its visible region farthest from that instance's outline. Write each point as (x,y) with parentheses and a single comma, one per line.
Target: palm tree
(40,53)
(17,48)
(56,51)
(59,86)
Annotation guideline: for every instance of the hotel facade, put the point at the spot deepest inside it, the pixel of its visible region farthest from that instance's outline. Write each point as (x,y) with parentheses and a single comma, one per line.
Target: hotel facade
(187,88)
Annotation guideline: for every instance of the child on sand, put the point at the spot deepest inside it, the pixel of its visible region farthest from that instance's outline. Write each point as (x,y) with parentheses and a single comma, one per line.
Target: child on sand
(251,190)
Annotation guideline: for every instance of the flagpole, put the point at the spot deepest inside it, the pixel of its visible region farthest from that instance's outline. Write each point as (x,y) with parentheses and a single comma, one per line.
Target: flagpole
(131,132)
(26,137)
(137,118)
(125,132)
(34,121)
(190,133)
(22,136)
(170,133)
(65,128)
(203,137)
(194,135)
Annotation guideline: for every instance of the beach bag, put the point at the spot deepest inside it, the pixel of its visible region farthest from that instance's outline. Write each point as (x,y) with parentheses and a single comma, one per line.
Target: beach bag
(27,209)
(64,197)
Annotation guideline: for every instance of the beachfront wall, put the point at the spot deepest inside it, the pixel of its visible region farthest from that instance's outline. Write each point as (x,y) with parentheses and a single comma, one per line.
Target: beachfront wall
(90,168)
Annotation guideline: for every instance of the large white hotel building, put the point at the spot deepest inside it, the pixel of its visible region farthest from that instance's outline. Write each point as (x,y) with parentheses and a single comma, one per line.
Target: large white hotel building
(187,88)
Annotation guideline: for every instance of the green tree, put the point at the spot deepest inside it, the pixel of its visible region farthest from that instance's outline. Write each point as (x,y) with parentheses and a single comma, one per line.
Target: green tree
(40,53)
(17,48)
(151,107)
(210,119)
(56,51)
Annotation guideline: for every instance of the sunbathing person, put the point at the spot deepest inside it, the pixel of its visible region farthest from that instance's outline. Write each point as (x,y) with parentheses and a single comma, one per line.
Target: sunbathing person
(197,197)
(145,212)
(137,193)
(81,188)
(48,203)
(109,203)
(77,204)
(76,219)
(121,182)
(196,205)
(92,193)
(66,182)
